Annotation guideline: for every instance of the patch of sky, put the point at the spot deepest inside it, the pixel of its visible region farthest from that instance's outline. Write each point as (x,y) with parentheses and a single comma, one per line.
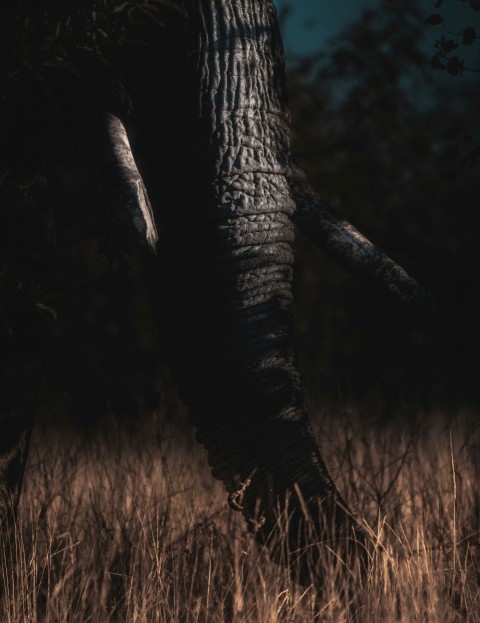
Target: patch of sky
(312,23)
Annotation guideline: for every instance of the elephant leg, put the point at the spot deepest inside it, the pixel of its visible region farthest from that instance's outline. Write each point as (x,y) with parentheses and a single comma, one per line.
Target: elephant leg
(26,243)
(21,372)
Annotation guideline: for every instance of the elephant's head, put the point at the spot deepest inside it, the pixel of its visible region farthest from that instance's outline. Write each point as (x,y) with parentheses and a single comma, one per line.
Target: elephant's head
(227,209)
(211,137)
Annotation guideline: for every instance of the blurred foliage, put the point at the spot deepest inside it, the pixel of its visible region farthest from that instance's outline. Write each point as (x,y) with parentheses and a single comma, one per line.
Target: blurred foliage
(452,43)
(36,35)
(398,155)
(65,269)
(47,47)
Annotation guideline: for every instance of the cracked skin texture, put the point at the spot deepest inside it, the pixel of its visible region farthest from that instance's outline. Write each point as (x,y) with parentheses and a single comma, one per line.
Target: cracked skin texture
(230,332)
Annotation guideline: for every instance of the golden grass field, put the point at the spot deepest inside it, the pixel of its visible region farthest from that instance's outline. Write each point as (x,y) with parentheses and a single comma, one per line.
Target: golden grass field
(132,527)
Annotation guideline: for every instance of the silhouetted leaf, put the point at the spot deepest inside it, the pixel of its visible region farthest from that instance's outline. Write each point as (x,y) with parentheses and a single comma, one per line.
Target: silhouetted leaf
(455,66)
(469,36)
(475,4)
(448,45)
(434,19)
(438,3)
(436,63)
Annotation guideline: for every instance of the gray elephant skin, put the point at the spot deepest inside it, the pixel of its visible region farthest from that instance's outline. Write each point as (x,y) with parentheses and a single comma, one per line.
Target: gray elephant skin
(214,155)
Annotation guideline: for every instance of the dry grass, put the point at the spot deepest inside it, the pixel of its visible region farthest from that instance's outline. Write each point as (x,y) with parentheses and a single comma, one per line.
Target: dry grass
(133,528)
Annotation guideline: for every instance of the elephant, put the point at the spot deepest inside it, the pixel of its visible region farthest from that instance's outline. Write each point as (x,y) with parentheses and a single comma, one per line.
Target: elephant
(201,172)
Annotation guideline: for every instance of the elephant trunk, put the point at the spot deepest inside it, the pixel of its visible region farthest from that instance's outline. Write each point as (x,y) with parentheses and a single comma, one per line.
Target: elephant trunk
(233,245)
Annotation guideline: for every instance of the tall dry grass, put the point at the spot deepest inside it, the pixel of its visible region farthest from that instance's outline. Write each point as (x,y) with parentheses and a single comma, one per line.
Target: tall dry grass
(131,527)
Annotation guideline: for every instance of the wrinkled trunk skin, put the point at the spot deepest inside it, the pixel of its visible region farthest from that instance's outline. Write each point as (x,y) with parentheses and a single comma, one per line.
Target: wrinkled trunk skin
(228,260)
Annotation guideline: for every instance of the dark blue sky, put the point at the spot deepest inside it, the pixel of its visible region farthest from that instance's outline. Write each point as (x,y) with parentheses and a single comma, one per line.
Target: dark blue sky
(313,22)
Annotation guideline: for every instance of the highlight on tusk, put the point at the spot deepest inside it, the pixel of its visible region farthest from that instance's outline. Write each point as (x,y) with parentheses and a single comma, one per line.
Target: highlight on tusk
(129,188)
(349,248)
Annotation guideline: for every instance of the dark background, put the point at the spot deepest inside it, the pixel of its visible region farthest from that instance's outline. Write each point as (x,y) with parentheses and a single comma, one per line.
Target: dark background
(387,129)
(385,122)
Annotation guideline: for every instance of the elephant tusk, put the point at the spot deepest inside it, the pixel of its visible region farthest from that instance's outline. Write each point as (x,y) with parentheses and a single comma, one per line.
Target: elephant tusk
(349,248)
(129,188)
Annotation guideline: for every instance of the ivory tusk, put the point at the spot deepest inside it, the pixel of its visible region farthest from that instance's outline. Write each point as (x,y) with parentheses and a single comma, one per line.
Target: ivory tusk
(349,248)
(129,187)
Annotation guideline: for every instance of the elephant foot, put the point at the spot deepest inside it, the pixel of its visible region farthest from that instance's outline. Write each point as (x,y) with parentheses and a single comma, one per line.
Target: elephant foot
(278,480)
(316,542)
(316,537)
